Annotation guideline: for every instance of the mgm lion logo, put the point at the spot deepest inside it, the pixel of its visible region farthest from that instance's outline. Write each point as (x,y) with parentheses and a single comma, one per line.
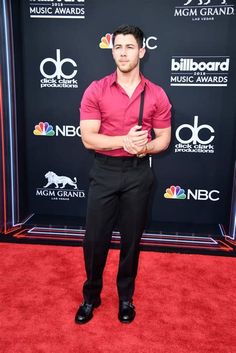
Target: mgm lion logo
(204,2)
(55,179)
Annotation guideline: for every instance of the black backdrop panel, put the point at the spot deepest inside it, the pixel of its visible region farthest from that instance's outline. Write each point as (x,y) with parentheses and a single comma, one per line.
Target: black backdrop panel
(189,53)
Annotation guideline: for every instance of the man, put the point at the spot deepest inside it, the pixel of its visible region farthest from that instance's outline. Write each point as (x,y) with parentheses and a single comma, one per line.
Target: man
(121,178)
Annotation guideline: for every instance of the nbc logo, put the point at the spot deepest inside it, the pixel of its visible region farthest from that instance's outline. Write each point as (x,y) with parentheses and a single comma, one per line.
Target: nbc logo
(106,42)
(44,129)
(175,192)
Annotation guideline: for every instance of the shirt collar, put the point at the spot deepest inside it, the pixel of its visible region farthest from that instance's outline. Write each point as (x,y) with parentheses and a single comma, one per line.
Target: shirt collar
(143,80)
(113,78)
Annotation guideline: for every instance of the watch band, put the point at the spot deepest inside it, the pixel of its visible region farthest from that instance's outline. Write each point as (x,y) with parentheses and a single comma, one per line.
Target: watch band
(143,154)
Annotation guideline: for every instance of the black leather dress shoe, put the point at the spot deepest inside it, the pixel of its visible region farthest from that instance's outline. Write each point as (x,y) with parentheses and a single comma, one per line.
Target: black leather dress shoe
(85,312)
(126,312)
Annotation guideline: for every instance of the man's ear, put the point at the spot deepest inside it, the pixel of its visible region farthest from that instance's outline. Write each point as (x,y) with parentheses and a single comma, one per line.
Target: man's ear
(142,52)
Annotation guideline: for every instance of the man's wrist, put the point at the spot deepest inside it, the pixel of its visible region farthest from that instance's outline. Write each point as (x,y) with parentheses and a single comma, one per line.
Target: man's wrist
(144,152)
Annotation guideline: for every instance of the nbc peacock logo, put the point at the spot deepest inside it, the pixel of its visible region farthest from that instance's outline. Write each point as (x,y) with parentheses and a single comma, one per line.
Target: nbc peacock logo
(175,193)
(43,129)
(106,42)
(148,42)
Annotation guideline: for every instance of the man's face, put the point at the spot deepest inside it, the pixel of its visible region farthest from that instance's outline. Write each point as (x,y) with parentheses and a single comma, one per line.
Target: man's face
(126,52)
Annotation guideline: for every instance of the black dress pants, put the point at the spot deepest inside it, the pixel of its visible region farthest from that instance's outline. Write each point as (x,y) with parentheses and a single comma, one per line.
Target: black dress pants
(118,186)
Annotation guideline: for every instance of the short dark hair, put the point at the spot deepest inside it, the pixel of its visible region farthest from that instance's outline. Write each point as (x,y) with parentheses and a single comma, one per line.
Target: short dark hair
(129,29)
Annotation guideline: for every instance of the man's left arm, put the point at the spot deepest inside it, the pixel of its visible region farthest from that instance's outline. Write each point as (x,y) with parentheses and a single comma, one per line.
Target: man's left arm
(161,124)
(159,143)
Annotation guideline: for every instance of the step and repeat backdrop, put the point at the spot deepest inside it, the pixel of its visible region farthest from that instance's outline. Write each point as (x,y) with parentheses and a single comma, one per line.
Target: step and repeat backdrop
(66,44)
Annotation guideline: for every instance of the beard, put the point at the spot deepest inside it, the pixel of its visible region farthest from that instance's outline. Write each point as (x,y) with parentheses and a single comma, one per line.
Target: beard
(127,67)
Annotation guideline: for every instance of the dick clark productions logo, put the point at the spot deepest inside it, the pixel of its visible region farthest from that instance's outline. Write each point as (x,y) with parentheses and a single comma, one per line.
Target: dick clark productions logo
(58,72)
(195,138)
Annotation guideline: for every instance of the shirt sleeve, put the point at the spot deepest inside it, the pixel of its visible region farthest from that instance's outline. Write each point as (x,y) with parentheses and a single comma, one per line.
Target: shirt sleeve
(89,107)
(162,117)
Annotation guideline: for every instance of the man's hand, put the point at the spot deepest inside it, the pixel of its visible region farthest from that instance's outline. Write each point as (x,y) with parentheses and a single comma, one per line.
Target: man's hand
(135,140)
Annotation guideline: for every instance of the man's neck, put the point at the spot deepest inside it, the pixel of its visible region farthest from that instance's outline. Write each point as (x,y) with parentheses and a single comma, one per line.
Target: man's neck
(129,81)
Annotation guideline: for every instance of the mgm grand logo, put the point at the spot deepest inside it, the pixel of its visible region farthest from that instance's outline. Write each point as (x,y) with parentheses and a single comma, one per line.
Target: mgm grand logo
(204,9)
(60,188)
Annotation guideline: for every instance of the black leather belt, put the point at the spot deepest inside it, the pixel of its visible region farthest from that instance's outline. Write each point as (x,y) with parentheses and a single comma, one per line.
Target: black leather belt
(121,160)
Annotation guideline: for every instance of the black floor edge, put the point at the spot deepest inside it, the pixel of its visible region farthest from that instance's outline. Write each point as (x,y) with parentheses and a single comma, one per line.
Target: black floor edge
(214,252)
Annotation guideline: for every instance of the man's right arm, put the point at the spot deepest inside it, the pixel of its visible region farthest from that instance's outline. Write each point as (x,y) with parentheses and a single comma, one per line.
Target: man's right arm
(92,139)
(95,141)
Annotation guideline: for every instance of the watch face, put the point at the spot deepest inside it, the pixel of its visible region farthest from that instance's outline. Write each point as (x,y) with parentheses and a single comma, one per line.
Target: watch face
(141,155)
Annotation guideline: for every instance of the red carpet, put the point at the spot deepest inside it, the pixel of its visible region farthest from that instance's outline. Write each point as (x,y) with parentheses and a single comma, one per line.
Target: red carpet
(185,303)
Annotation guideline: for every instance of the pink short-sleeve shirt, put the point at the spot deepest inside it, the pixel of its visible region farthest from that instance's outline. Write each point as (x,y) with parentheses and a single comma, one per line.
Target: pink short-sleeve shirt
(107,101)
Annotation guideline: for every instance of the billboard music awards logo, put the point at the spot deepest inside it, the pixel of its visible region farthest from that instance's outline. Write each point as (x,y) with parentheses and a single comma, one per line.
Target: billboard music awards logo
(195,138)
(57,9)
(204,10)
(177,193)
(46,129)
(106,42)
(199,71)
(60,188)
(58,73)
